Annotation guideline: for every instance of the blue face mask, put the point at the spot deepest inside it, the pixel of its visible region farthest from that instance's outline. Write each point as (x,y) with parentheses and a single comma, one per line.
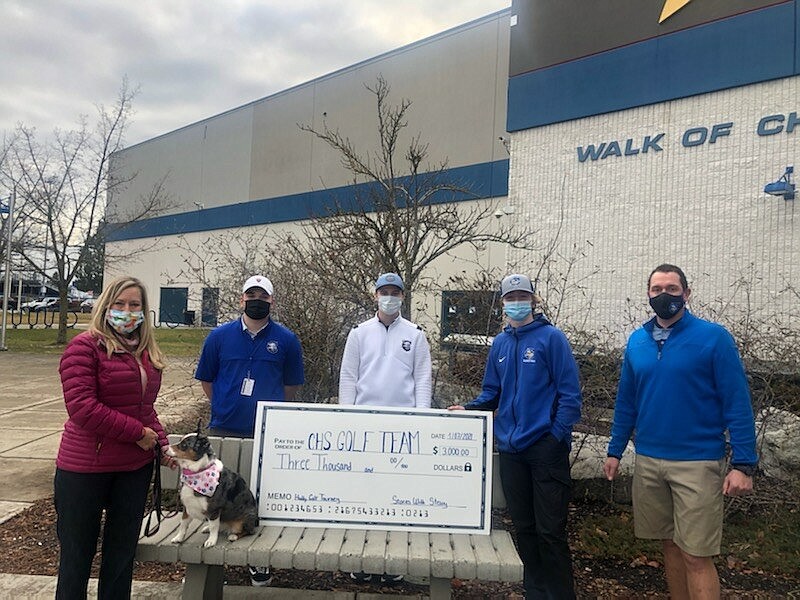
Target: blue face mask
(517,310)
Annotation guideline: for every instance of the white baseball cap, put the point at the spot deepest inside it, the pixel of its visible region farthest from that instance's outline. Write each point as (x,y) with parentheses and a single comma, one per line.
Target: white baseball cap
(258,281)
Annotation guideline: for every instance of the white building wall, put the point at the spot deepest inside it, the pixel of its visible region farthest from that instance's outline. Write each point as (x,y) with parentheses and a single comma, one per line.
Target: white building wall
(702,208)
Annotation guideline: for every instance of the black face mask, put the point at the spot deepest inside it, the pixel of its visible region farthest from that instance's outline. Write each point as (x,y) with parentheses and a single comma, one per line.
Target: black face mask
(256,309)
(666,305)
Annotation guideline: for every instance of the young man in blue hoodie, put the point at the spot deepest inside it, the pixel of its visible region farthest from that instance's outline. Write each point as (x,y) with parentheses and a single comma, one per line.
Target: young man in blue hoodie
(682,387)
(531,381)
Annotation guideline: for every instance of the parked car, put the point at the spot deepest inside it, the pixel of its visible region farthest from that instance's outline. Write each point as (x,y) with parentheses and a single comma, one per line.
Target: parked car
(29,305)
(73,304)
(44,304)
(87,305)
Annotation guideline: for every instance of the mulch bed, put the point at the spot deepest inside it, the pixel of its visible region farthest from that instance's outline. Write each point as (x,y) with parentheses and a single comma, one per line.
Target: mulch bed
(28,545)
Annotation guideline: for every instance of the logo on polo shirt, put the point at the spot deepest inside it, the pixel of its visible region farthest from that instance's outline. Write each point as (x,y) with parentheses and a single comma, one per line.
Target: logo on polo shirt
(528,356)
(272,347)
(406,345)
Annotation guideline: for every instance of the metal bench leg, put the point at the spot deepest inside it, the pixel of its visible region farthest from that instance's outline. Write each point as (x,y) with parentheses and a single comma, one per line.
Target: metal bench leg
(440,588)
(203,581)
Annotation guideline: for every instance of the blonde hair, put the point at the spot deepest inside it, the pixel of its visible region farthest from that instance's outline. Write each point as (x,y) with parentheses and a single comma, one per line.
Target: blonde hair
(99,327)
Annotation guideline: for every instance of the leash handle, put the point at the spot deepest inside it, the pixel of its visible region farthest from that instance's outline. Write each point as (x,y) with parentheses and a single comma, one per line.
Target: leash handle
(155,502)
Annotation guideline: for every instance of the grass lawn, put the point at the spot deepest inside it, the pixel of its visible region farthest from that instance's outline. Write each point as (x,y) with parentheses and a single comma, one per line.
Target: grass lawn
(181,341)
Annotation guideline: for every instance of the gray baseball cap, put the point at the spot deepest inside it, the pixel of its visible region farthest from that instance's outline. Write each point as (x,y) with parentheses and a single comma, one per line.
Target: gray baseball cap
(516,282)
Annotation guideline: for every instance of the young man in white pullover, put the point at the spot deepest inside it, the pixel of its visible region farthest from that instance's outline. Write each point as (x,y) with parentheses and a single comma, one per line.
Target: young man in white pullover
(387,360)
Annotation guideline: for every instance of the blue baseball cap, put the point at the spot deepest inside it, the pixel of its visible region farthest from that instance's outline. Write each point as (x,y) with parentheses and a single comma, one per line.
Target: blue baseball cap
(389,279)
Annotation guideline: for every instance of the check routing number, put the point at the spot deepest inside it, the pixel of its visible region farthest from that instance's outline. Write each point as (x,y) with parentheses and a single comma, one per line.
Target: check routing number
(368,467)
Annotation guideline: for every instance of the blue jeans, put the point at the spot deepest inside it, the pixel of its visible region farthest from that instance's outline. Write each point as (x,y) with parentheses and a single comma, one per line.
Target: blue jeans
(80,499)
(537,486)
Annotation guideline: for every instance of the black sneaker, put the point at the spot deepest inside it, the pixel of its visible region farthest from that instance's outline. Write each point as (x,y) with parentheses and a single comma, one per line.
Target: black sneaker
(361,577)
(260,576)
(391,579)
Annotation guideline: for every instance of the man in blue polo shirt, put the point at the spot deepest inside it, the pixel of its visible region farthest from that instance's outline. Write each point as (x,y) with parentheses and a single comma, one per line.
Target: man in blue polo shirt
(250,359)
(247,360)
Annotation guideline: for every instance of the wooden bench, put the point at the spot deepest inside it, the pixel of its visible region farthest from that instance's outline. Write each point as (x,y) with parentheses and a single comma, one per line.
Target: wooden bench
(437,556)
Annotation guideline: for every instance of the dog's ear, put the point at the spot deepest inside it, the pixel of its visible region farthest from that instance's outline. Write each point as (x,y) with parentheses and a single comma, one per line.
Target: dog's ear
(199,426)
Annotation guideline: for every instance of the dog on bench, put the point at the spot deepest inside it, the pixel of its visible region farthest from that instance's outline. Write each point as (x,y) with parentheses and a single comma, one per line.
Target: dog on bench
(211,492)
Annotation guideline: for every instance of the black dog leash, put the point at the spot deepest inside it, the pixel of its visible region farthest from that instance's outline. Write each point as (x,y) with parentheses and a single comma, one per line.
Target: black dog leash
(155,500)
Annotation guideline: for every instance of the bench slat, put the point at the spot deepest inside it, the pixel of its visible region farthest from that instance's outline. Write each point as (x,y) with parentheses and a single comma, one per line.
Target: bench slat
(169,478)
(464,561)
(191,550)
(373,559)
(510,564)
(397,553)
(149,547)
(329,550)
(352,549)
(306,551)
(441,555)
(488,566)
(236,553)
(282,555)
(261,548)
(229,453)
(246,460)
(419,554)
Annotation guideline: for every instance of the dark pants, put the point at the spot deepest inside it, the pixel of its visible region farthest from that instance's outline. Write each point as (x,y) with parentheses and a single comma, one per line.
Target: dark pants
(80,499)
(537,487)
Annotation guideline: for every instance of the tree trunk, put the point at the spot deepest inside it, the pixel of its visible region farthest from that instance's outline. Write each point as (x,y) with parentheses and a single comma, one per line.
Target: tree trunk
(63,307)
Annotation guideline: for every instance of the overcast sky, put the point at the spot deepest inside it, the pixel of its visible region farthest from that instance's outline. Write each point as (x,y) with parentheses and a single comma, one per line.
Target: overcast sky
(192,58)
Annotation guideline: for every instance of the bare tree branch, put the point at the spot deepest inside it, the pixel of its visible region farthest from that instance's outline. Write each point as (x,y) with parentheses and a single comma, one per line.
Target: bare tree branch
(61,190)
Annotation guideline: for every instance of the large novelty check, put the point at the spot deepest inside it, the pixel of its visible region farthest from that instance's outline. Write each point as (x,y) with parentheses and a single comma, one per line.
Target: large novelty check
(366,467)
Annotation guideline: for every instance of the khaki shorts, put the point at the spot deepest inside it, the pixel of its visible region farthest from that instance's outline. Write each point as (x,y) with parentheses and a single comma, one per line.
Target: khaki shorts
(679,500)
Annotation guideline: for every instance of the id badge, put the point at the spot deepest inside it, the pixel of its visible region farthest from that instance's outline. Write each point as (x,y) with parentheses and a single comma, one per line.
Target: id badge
(247,386)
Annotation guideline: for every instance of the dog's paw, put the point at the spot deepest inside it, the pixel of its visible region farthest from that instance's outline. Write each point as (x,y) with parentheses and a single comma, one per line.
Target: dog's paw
(209,542)
(177,539)
(233,537)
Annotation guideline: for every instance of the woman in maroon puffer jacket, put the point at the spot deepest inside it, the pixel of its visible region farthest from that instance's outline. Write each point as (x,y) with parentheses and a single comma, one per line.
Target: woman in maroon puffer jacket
(110,376)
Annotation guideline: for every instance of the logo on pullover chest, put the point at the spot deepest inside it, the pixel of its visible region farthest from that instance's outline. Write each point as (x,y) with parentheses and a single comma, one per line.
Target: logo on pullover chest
(406,345)
(272,347)
(528,356)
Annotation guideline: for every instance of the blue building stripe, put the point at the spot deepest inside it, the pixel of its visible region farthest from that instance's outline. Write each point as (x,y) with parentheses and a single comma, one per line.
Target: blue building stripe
(484,180)
(796,41)
(740,50)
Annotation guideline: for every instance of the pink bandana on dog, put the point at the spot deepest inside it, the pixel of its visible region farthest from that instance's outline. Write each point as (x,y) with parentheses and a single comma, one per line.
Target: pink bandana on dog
(203,482)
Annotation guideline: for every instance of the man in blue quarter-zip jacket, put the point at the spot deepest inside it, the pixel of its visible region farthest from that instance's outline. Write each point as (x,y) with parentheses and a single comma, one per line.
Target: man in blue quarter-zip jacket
(682,387)
(531,381)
